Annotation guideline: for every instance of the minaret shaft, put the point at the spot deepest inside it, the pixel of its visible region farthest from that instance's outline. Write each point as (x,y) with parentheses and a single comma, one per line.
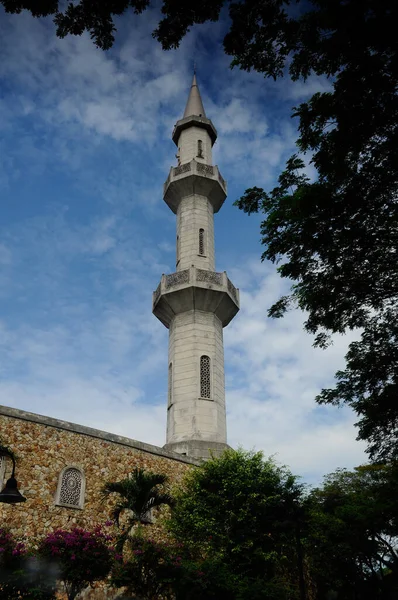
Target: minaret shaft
(195,302)
(195,233)
(194,420)
(194,142)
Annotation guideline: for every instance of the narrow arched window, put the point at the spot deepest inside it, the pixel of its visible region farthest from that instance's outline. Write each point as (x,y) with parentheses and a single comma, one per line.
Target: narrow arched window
(178,249)
(200,149)
(170,389)
(2,471)
(205,379)
(71,488)
(201,241)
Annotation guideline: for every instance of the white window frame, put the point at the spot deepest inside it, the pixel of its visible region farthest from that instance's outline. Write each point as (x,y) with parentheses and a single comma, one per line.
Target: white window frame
(82,490)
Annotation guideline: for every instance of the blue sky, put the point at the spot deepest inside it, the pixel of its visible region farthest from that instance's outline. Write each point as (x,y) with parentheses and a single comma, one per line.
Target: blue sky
(85,146)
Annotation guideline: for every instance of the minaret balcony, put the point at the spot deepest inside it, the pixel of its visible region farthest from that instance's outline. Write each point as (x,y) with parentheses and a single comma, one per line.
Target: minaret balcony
(194,121)
(197,289)
(194,178)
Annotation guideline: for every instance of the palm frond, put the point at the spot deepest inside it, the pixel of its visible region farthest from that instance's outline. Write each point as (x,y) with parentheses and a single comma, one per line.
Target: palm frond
(138,493)
(122,487)
(157,499)
(117,511)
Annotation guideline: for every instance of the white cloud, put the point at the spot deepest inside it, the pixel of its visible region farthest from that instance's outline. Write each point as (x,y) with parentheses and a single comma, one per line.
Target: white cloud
(302,90)
(274,376)
(5,255)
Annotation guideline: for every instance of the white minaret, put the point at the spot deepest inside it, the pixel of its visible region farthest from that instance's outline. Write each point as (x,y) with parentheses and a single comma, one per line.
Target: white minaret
(195,302)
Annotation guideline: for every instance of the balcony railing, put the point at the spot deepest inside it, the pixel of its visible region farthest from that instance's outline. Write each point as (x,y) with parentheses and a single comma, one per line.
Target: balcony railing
(196,276)
(177,278)
(196,168)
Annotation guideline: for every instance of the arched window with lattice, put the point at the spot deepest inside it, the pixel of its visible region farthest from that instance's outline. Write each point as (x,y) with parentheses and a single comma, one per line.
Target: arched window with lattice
(205,377)
(71,488)
(201,242)
(170,393)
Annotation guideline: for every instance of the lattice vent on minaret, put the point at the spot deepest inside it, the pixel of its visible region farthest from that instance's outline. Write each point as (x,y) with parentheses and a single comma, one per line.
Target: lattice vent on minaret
(205,383)
(170,384)
(71,487)
(201,241)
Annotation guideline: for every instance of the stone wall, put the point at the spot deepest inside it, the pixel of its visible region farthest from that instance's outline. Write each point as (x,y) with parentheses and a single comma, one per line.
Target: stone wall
(45,446)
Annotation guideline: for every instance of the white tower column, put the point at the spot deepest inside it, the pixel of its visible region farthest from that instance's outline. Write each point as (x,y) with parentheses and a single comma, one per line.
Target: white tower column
(195,233)
(195,302)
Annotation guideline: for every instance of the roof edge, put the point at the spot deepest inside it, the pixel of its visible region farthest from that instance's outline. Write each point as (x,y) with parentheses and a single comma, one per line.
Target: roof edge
(16,413)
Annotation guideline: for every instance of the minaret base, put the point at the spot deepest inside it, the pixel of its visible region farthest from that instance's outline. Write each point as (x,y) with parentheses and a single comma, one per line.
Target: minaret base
(197,448)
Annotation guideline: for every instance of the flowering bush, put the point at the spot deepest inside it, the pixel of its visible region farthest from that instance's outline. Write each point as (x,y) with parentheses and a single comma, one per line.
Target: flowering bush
(81,557)
(8,546)
(11,555)
(20,574)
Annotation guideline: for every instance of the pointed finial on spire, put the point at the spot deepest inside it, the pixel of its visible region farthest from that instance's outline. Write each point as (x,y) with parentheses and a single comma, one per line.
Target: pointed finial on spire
(194,105)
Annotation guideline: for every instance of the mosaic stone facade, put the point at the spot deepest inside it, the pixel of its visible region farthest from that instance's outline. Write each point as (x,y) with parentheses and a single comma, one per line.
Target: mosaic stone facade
(46,447)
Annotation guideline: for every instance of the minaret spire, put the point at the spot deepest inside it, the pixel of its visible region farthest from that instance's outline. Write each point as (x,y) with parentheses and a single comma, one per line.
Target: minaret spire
(195,303)
(194,105)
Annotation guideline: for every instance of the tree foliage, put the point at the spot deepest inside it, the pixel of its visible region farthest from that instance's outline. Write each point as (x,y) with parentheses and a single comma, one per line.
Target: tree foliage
(150,571)
(137,496)
(98,18)
(85,15)
(352,538)
(234,516)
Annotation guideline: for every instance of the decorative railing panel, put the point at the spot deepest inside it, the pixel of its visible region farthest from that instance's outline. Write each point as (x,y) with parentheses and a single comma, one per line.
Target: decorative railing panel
(177,278)
(208,276)
(221,180)
(157,293)
(181,169)
(204,169)
(232,290)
